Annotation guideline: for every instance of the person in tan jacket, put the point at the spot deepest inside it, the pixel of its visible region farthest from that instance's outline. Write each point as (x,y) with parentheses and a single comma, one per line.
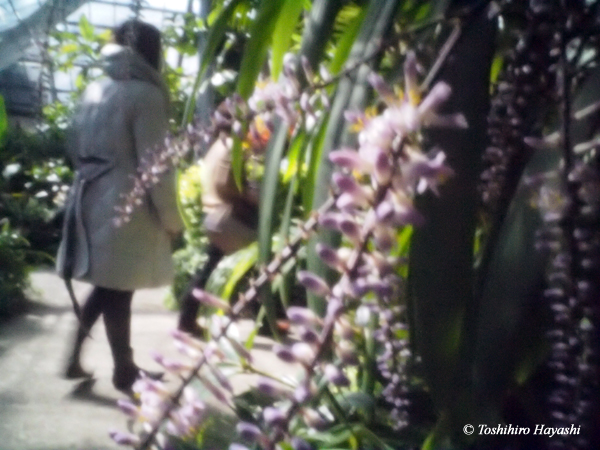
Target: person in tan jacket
(121,118)
(230,224)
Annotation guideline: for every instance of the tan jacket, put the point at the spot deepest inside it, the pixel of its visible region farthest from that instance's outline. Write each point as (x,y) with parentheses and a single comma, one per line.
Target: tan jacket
(231,214)
(119,120)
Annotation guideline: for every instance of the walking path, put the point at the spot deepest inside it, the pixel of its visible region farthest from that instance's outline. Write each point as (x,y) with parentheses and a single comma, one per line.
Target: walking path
(41,411)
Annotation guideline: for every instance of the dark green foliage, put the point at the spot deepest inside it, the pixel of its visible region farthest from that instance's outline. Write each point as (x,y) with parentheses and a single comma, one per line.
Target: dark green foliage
(14,269)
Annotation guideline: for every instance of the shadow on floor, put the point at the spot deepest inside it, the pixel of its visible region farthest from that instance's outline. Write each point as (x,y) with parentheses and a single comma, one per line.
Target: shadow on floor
(84,392)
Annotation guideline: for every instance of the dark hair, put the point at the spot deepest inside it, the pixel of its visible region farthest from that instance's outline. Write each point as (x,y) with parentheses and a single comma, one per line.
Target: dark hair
(141,37)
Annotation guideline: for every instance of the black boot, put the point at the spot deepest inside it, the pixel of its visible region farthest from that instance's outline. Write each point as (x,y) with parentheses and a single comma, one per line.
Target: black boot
(188,315)
(90,312)
(117,321)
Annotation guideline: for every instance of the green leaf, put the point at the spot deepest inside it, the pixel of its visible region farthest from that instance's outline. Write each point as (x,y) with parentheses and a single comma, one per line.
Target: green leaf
(3,119)
(319,28)
(86,29)
(346,40)
(360,401)
(442,306)
(497,65)
(314,160)
(247,259)
(257,46)
(267,213)
(215,36)
(295,155)
(282,36)
(69,48)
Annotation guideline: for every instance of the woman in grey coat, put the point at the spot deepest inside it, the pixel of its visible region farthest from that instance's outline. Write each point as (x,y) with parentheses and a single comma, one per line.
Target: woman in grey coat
(120,119)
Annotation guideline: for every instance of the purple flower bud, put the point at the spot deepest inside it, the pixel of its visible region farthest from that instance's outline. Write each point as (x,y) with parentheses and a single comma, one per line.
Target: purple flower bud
(354,117)
(238,447)
(314,420)
(274,417)
(382,288)
(329,220)
(313,283)
(383,167)
(309,335)
(384,211)
(302,394)
(335,376)
(405,213)
(269,387)
(300,444)
(128,407)
(360,287)
(438,95)
(348,184)
(248,431)
(329,256)
(349,159)
(170,364)
(335,307)
(350,229)
(301,316)
(303,353)
(347,202)
(410,73)
(284,353)
(122,438)
(210,300)
(380,86)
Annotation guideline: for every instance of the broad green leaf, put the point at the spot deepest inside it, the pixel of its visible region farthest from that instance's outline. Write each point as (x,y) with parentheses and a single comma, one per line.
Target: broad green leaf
(318,29)
(286,218)
(282,36)
(441,278)
(314,159)
(257,46)
(86,29)
(346,40)
(215,36)
(267,213)
(247,258)
(295,155)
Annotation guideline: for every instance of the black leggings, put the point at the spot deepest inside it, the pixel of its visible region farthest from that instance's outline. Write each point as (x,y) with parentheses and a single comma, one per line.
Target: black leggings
(115,307)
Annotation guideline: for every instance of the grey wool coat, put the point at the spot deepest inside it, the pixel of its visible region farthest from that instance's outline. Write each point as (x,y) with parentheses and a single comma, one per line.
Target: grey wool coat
(120,119)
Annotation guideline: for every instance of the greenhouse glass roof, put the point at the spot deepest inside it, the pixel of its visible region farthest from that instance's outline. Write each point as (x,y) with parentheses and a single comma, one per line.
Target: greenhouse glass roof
(25,24)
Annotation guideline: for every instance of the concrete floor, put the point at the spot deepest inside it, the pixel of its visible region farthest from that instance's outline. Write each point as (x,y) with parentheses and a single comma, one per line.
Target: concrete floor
(41,411)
